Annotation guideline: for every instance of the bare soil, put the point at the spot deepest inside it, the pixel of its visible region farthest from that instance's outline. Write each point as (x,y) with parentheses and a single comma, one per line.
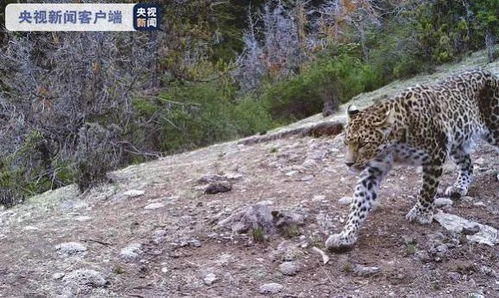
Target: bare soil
(275,171)
(181,244)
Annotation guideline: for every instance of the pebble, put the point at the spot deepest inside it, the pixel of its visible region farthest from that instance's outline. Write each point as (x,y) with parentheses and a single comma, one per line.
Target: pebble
(209,279)
(153,206)
(318,198)
(82,218)
(271,288)
(441,202)
(289,268)
(365,271)
(454,276)
(58,275)
(345,200)
(218,187)
(131,251)
(132,193)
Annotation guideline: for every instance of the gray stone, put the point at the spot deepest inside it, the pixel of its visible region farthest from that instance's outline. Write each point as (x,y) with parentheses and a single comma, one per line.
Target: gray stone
(454,276)
(270,288)
(345,201)
(456,224)
(58,275)
(365,271)
(318,198)
(218,187)
(287,218)
(441,202)
(255,216)
(85,277)
(153,206)
(132,193)
(289,268)
(209,279)
(70,248)
(131,251)
(423,256)
(159,236)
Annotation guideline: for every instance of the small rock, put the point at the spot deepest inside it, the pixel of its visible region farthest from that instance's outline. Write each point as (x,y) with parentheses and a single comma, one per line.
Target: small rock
(159,236)
(70,248)
(287,218)
(318,198)
(365,271)
(164,269)
(233,176)
(209,279)
(440,251)
(131,251)
(309,163)
(195,243)
(471,230)
(82,218)
(153,206)
(289,268)
(218,187)
(270,288)
(210,178)
(441,202)
(454,276)
(467,199)
(423,256)
(132,193)
(345,200)
(58,275)
(307,178)
(85,277)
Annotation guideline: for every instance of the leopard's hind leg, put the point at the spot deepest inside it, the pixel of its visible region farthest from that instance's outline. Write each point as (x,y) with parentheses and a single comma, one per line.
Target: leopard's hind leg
(463,161)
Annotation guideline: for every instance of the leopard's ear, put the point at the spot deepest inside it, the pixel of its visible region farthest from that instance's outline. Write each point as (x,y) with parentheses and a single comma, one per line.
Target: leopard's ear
(351,112)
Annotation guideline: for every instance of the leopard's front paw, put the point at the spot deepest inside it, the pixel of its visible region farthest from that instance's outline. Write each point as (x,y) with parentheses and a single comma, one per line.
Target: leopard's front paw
(422,217)
(455,192)
(340,242)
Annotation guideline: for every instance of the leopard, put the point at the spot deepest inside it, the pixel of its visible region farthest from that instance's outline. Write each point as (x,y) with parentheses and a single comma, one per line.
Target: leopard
(423,125)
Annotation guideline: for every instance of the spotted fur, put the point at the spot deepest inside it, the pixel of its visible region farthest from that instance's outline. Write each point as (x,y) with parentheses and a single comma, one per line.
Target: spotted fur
(423,125)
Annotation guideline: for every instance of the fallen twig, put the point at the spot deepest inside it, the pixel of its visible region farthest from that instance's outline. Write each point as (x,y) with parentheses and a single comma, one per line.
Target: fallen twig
(325,257)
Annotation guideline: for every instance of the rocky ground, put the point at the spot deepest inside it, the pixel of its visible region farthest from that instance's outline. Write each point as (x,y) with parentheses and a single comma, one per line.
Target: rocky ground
(249,221)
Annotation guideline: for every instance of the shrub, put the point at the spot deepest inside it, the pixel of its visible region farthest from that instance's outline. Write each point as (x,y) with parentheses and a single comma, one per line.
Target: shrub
(97,153)
(303,95)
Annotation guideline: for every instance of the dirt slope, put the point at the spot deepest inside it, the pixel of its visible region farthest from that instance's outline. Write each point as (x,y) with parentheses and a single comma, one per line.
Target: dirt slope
(155,233)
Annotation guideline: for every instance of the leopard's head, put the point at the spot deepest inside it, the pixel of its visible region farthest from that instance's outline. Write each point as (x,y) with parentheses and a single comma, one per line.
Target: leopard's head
(366,134)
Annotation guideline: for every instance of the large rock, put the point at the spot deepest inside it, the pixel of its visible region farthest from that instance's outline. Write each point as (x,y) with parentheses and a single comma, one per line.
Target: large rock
(131,251)
(70,248)
(85,277)
(456,224)
(252,217)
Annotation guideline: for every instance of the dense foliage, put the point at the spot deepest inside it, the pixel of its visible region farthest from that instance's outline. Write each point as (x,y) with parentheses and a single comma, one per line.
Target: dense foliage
(219,70)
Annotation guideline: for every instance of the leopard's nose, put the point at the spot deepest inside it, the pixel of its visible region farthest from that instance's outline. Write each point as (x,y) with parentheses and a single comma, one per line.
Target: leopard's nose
(349,164)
